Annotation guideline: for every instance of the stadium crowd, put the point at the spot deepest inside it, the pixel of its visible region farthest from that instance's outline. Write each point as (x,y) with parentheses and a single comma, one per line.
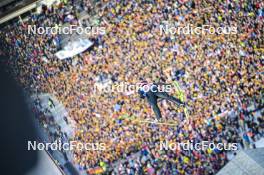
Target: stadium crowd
(221,76)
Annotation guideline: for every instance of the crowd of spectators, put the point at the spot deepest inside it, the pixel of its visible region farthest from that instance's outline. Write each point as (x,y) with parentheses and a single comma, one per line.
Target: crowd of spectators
(221,76)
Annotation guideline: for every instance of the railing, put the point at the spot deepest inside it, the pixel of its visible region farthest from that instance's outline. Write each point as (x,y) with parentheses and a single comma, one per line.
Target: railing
(17,11)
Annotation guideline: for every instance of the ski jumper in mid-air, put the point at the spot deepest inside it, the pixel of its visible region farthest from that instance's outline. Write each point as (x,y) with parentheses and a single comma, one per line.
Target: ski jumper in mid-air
(153,94)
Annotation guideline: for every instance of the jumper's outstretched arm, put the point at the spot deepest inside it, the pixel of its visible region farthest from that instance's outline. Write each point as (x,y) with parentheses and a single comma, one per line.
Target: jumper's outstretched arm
(165,95)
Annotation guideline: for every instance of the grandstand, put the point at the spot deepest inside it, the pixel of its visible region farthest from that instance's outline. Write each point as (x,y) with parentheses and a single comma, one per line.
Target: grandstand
(216,77)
